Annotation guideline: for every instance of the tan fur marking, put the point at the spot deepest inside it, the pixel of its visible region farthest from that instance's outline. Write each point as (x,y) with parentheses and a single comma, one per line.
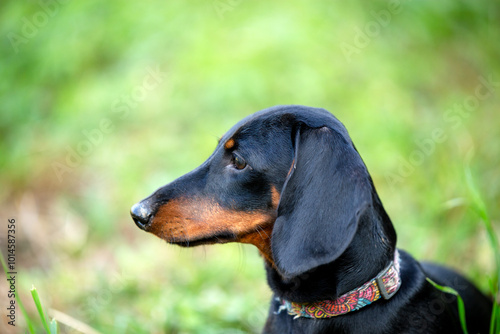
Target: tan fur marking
(261,238)
(183,220)
(275,197)
(229,144)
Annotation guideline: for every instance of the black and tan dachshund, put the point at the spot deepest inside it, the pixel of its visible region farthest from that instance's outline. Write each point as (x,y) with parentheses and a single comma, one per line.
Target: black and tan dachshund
(289,180)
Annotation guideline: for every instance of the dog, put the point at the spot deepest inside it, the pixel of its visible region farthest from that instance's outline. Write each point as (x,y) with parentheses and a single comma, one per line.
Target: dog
(289,180)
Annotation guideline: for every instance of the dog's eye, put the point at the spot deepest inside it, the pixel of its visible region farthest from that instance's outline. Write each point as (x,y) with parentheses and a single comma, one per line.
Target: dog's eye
(238,161)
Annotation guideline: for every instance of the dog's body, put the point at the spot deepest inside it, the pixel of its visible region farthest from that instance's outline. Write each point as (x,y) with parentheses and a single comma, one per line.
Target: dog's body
(289,180)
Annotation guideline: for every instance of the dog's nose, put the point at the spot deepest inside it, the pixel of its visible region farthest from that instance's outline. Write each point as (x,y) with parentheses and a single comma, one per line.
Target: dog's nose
(141,215)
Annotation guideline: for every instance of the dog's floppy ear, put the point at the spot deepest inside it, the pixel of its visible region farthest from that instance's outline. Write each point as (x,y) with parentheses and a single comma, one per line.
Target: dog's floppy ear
(322,200)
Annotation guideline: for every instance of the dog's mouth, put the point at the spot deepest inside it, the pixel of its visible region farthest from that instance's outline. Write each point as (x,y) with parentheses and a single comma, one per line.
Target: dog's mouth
(221,238)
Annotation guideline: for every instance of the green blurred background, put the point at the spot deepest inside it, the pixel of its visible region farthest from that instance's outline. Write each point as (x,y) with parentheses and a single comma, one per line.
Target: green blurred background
(103,102)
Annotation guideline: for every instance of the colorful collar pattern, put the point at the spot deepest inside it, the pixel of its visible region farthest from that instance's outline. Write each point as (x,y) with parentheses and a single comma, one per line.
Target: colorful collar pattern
(385,285)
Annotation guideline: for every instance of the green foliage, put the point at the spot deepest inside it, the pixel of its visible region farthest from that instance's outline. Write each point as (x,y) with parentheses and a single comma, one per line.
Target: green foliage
(103,102)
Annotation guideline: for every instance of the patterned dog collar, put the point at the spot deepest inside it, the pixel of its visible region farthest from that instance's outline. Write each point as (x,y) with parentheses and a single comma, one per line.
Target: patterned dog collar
(385,285)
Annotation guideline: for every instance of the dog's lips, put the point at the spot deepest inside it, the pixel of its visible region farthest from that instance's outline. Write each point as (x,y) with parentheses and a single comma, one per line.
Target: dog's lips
(209,240)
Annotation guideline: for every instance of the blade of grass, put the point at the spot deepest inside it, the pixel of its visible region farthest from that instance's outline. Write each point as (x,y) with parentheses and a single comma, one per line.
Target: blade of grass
(39,307)
(29,322)
(479,206)
(495,319)
(460,302)
(54,327)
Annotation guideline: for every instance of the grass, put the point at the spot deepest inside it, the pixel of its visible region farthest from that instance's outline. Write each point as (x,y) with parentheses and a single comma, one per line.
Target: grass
(49,328)
(478,205)
(460,302)
(73,95)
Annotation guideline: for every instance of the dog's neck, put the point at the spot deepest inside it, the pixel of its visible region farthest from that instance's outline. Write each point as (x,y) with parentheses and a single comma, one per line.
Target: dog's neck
(371,250)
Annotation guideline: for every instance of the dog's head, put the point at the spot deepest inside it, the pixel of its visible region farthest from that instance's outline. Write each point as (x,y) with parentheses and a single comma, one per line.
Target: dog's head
(287,179)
